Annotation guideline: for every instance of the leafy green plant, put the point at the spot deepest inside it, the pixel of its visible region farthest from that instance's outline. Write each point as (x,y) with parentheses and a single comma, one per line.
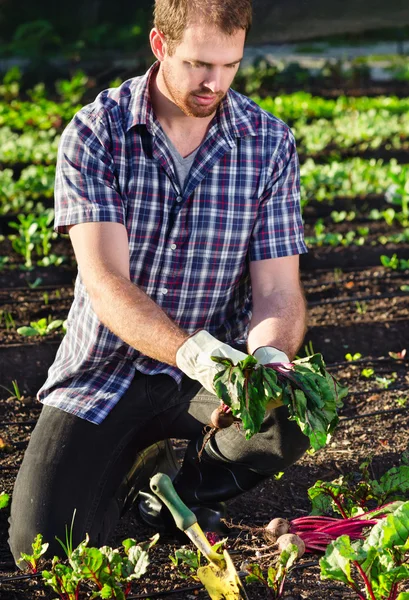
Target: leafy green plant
(107,571)
(395,263)
(15,393)
(72,90)
(351,357)
(4,500)
(374,568)
(188,558)
(310,392)
(367,372)
(276,573)
(41,327)
(25,241)
(7,318)
(39,549)
(351,494)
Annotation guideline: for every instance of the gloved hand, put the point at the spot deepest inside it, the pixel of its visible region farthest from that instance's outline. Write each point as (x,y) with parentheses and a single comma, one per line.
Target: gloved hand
(193,357)
(268,354)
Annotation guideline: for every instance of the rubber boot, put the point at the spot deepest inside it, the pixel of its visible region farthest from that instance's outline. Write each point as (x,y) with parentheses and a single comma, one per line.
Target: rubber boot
(204,484)
(159,457)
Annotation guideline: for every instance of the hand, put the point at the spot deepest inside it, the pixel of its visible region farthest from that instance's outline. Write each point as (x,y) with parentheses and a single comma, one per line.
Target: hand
(268,354)
(193,357)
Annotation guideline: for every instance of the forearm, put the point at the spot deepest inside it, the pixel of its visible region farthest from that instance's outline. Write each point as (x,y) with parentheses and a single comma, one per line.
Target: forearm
(278,320)
(135,318)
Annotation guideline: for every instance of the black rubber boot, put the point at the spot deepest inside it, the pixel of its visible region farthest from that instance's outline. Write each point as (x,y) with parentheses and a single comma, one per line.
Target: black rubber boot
(204,484)
(159,457)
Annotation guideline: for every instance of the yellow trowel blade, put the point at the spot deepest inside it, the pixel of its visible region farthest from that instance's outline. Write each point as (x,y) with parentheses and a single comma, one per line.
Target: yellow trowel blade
(222,584)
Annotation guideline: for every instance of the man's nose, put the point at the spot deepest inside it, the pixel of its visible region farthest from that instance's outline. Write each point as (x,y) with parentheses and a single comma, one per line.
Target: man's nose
(213,80)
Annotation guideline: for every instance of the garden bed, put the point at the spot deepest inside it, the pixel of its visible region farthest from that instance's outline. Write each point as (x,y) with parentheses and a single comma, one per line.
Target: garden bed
(358,320)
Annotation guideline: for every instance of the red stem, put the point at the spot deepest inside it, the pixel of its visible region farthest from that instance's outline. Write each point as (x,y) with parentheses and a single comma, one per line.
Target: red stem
(366,580)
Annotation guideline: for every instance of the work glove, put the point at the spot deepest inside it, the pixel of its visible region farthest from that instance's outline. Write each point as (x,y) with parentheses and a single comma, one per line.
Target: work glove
(193,357)
(265,356)
(268,354)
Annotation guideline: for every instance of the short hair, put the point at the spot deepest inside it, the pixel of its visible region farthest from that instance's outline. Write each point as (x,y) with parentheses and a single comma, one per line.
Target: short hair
(171,17)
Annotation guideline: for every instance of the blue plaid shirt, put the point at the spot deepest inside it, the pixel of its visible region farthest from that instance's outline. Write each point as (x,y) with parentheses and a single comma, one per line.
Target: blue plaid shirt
(189,251)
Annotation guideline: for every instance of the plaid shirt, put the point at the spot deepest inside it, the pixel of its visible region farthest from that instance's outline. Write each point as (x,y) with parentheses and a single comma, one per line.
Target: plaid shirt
(189,251)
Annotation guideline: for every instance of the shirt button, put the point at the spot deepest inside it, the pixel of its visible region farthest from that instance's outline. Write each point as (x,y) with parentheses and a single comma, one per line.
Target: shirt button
(173,247)
(179,198)
(164,291)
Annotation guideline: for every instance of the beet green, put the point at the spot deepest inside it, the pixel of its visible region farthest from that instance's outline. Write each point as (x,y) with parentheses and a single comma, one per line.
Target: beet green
(311,394)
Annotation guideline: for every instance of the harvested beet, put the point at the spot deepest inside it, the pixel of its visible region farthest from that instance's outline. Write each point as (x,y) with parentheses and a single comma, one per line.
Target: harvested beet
(220,419)
(276,528)
(290,538)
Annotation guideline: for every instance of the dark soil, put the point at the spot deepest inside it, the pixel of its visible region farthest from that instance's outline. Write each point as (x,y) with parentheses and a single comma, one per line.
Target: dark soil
(341,321)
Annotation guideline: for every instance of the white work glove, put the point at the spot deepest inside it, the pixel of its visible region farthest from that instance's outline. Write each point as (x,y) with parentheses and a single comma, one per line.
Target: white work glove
(193,357)
(267,354)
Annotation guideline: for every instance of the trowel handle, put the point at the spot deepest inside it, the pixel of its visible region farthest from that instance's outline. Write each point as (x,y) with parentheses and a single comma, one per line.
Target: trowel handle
(162,486)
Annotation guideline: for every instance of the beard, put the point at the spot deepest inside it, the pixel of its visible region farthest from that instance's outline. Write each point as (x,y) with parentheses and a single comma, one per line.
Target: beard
(187,102)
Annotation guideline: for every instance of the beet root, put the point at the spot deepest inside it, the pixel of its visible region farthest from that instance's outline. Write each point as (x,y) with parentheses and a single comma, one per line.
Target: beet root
(291,538)
(276,528)
(220,418)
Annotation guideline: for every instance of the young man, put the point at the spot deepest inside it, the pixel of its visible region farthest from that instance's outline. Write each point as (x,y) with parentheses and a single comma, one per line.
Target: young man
(181,199)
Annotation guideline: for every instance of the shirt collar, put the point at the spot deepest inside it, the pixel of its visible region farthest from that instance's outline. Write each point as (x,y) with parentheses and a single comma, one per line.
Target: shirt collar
(232,118)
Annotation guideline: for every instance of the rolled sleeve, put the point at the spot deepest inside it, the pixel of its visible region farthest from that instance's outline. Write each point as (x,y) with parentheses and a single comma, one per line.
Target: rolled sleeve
(279,229)
(86,187)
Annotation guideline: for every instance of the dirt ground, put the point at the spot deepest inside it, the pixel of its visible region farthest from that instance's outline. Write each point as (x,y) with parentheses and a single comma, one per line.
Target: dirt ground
(374,422)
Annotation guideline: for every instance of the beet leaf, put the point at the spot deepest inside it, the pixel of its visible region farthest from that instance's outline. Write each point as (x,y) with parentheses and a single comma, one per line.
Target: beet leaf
(311,394)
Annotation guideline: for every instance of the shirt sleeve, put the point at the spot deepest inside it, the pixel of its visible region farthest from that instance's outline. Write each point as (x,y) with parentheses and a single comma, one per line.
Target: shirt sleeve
(86,187)
(279,229)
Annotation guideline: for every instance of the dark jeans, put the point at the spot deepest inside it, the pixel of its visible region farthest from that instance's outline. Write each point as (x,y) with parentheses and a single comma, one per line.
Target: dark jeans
(72,464)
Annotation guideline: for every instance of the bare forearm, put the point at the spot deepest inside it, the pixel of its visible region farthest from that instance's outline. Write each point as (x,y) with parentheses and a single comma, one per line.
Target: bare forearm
(135,318)
(279,320)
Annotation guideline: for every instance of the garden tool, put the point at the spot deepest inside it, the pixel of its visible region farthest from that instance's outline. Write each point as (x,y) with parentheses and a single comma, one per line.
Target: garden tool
(219,577)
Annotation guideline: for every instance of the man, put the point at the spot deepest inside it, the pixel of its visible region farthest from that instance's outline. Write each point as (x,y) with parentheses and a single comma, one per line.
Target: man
(181,199)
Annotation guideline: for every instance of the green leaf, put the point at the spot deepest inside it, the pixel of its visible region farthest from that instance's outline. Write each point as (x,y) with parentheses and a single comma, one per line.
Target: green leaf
(255,573)
(403,596)
(27,331)
(336,564)
(391,532)
(4,500)
(140,560)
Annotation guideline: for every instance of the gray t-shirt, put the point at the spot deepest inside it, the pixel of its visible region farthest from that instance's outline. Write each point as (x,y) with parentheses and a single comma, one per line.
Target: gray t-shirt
(182,165)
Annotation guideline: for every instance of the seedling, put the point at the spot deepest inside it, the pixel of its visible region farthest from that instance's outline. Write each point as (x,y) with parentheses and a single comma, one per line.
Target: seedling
(395,263)
(361,307)
(42,327)
(38,550)
(276,574)
(190,559)
(398,355)
(4,500)
(7,318)
(35,284)
(350,357)
(367,372)
(15,394)
(110,573)
(3,261)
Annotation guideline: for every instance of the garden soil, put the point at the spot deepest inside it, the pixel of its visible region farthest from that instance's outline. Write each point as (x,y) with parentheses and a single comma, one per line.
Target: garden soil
(351,309)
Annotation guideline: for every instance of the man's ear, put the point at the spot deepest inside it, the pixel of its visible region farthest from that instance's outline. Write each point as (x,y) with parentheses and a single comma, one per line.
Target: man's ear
(158,43)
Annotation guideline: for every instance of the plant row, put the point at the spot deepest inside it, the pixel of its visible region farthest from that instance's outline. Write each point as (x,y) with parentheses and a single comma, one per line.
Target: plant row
(365,544)
(354,178)
(302,105)
(357,132)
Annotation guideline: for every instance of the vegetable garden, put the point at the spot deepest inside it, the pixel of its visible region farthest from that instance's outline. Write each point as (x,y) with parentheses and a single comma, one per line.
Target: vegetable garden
(354,156)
